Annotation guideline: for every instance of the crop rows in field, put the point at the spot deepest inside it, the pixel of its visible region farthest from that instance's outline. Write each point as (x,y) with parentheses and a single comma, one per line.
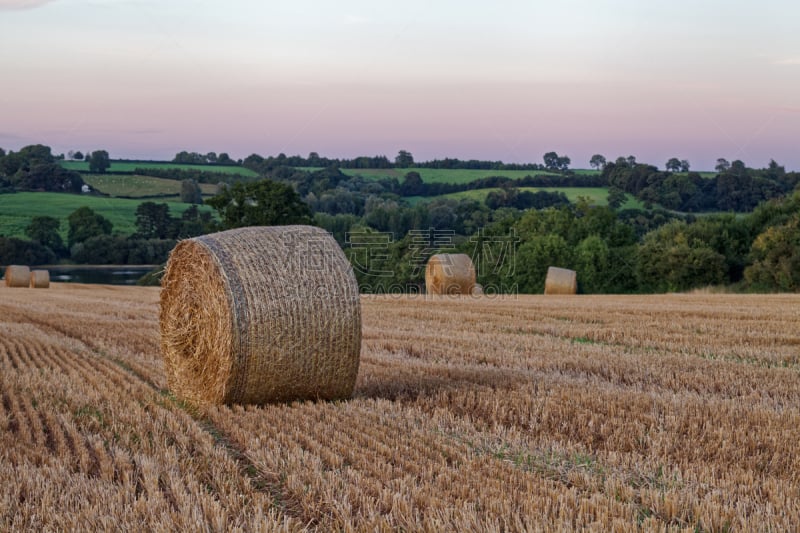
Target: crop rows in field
(606,413)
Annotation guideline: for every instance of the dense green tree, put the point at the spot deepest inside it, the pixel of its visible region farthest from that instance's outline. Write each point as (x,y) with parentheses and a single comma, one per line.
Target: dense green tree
(592,264)
(153,221)
(191,158)
(673,165)
(99,161)
(191,192)
(404,159)
(616,197)
(551,160)
(44,230)
(47,177)
(535,256)
(412,184)
(85,223)
(597,161)
(36,153)
(337,225)
(671,259)
(192,223)
(775,254)
(261,203)
(18,251)
(384,265)
(115,249)
(722,165)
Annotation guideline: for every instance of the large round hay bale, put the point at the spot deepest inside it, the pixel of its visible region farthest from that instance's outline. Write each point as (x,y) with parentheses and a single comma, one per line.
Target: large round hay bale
(449,274)
(560,281)
(40,279)
(260,314)
(17,276)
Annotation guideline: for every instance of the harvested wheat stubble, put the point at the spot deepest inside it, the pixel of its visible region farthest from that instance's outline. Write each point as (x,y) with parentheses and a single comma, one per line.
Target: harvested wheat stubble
(17,276)
(260,314)
(450,274)
(40,279)
(560,281)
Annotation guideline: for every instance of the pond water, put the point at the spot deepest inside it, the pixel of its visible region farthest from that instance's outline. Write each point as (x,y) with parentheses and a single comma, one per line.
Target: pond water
(109,275)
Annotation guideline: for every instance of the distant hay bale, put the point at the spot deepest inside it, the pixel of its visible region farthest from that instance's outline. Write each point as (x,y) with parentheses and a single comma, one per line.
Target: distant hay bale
(40,279)
(560,281)
(17,276)
(477,290)
(449,274)
(260,314)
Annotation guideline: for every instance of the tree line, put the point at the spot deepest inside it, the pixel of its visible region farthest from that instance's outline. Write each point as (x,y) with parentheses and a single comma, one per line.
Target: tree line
(513,234)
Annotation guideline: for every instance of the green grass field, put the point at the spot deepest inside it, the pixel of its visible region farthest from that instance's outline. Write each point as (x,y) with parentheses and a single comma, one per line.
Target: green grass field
(435,175)
(596,195)
(131,166)
(138,186)
(17,210)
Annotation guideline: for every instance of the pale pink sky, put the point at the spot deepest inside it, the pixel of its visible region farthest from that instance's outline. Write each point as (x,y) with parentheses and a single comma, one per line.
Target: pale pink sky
(505,81)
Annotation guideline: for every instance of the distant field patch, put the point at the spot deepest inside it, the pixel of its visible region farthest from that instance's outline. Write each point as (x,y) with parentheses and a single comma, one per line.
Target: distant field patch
(131,166)
(138,186)
(596,195)
(436,175)
(17,210)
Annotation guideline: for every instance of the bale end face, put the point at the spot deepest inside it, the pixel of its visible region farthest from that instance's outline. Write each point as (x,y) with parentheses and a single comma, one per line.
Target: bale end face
(40,279)
(450,274)
(561,281)
(259,315)
(17,276)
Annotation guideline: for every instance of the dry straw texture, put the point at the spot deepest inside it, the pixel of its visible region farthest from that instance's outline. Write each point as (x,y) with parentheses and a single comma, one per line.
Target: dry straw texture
(560,281)
(17,276)
(260,314)
(450,274)
(40,279)
(663,413)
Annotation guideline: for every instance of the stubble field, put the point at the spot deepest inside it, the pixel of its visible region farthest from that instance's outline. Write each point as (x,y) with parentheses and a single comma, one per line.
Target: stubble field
(670,412)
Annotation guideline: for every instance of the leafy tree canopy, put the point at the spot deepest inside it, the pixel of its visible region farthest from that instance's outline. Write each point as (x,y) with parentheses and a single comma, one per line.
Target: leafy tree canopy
(261,203)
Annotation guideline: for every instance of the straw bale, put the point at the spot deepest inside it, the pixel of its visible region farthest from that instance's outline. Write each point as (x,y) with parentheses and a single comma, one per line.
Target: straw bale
(449,274)
(17,276)
(40,279)
(260,314)
(560,281)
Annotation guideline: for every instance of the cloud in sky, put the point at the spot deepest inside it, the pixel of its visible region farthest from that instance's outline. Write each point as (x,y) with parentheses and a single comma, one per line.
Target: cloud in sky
(22,4)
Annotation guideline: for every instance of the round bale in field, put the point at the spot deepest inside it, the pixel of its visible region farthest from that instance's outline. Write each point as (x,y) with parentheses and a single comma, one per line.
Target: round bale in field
(260,314)
(561,281)
(17,276)
(40,279)
(450,274)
